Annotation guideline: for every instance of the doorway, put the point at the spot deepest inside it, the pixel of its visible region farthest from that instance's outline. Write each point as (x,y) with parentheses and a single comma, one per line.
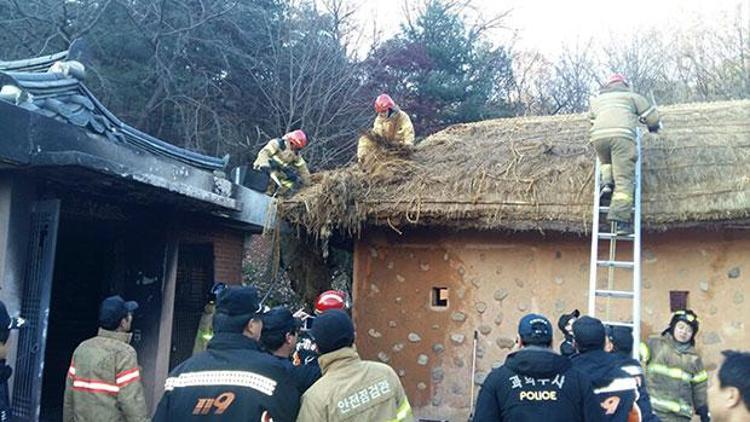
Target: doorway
(195,276)
(83,264)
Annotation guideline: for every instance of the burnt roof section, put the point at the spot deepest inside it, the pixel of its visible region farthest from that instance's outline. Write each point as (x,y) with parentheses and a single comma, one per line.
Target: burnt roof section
(53,86)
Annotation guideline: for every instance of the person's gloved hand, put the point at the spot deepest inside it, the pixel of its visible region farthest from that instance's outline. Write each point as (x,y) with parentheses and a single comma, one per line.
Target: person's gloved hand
(654,129)
(261,167)
(703,413)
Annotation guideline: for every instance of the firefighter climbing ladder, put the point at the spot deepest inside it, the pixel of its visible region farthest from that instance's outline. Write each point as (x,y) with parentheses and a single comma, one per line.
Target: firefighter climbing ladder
(611,263)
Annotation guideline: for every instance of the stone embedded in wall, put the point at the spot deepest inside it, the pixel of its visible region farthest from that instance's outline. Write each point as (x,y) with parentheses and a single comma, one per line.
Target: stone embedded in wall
(519,282)
(424,266)
(480,352)
(458,389)
(475,282)
(481,307)
(461,271)
(401,373)
(374,288)
(445,257)
(398,347)
(438,348)
(734,272)
(523,306)
(438,374)
(738,298)
(458,338)
(458,362)
(499,318)
(704,285)
(435,327)
(505,342)
(479,377)
(559,306)
(399,300)
(559,281)
(458,316)
(392,324)
(389,265)
(485,329)
(373,252)
(374,333)
(400,278)
(414,338)
(711,337)
(500,294)
(421,386)
(461,292)
(383,357)
(423,359)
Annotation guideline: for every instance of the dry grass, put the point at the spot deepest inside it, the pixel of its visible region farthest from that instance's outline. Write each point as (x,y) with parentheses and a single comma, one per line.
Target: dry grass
(536,173)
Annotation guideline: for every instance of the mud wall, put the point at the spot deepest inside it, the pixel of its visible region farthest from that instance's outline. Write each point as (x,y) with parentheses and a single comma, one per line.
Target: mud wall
(494,279)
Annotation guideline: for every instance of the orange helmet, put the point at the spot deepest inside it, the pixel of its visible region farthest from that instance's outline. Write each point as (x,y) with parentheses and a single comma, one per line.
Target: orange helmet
(383,103)
(296,138)
(617,77)
(331,299)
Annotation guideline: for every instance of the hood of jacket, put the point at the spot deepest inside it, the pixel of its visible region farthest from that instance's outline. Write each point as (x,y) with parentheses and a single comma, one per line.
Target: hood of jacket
(537,362)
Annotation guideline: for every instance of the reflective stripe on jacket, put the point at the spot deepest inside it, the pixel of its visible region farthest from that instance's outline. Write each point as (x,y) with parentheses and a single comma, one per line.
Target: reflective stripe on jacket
(278,150)
(354,390)
(616,112)
(677,379)
(104,381)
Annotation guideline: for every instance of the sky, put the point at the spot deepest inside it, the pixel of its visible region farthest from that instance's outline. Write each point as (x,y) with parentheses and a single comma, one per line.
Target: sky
(545,25)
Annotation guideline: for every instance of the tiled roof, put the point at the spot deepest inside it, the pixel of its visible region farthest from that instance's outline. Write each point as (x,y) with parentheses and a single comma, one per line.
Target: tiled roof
(53,86)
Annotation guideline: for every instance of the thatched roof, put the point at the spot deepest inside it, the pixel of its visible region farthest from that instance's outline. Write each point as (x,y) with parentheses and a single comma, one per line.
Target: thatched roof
(536,173)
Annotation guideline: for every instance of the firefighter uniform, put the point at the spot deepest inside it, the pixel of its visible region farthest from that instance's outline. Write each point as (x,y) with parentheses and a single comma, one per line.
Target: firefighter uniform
(354,390)
(233,380)
(614,114)
(536,384)
(205,329)
(104,381)
(614,389)
(396,128)
(676,377)
(284,163)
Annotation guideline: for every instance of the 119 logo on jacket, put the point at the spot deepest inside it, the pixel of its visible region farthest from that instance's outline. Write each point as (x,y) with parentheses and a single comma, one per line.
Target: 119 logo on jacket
(218,405)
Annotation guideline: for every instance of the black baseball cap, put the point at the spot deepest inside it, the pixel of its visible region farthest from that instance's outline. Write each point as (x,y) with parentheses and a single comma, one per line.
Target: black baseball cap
(589,334)
(333,330)
(113,309)
(535,327)
(235,306)
(280,320)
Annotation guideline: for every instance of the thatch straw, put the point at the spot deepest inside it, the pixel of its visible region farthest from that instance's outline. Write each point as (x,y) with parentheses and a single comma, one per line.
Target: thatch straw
(536,173)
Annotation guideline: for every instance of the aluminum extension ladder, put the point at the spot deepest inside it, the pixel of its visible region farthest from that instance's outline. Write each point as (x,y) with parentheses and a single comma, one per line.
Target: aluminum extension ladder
(611,262)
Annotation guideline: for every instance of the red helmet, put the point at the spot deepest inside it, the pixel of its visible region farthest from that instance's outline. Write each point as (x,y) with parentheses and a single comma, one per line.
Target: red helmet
(383,103)
(296,138)
(331,299)
(617,77)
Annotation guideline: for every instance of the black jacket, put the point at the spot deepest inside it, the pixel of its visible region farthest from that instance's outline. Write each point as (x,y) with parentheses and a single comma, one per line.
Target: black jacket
(614,389)
(231,381)
(536,384)
(5,373)
(635,370)
(305,375)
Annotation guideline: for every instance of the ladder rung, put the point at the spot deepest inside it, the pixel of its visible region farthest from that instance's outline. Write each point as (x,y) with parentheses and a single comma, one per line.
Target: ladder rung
(611,236)
(618,323)
(615,293)
(615,264)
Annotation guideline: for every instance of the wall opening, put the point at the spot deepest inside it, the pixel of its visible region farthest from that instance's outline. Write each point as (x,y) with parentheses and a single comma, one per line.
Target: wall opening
(678,300)
(439,297)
